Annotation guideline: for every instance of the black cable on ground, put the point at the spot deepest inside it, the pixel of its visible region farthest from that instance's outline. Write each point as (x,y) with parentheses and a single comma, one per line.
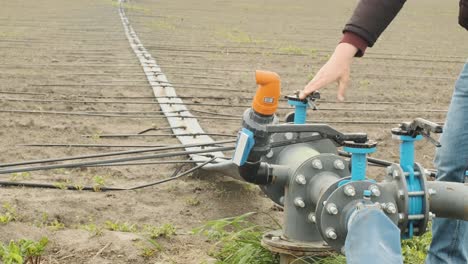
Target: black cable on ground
(102,188)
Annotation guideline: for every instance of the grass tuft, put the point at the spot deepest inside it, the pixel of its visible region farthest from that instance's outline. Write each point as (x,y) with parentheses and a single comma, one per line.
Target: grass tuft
(237,241)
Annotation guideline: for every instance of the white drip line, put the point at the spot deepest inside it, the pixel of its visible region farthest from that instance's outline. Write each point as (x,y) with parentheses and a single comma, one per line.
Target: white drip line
(162,87)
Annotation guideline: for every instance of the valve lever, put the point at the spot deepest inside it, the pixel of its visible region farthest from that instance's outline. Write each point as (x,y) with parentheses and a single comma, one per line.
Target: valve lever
(431,139)
(419,126)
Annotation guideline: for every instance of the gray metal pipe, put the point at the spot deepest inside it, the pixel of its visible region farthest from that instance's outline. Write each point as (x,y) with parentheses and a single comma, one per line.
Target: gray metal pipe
(320,184)
(225,167)
(448,199)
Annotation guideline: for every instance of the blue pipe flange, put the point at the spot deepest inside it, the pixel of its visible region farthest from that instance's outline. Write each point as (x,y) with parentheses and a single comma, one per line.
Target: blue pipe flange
(338,203)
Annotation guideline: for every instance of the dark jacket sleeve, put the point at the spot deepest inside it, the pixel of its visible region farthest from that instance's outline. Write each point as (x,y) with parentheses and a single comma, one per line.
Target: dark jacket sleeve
(371,18)
(463,17)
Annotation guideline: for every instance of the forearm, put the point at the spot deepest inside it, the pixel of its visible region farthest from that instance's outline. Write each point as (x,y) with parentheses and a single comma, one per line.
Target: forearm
(369,20)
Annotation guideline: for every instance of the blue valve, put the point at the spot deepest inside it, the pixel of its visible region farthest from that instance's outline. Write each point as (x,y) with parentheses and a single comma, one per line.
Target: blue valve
(300,110)
(301,105)
(359,153)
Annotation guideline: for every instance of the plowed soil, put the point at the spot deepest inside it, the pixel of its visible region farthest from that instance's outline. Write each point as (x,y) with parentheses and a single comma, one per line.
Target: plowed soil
(73,57)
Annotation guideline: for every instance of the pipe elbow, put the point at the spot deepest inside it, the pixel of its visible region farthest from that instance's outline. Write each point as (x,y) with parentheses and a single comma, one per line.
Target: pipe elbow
(256,173)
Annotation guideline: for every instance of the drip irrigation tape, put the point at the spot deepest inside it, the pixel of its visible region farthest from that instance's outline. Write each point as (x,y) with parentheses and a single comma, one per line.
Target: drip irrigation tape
(97,162)
(108,154)
(103,188)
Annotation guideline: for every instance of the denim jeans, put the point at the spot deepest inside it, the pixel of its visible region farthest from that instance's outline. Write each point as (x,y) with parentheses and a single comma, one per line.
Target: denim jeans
(450,237)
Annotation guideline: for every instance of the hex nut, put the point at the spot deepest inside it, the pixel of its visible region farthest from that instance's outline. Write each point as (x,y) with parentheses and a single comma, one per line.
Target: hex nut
(349,190)
(312,217)
(339,164)
(390,208)
(332,209)
(299,202)
(317,164)
(300,179)
(270,154)
(375,190)
(288,135)
(331,233)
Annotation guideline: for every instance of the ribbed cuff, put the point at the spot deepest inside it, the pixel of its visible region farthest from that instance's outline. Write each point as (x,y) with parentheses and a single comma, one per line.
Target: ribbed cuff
(463,16)
(356,41)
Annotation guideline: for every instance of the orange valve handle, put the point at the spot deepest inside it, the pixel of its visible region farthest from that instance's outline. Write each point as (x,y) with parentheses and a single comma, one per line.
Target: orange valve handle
(266,99)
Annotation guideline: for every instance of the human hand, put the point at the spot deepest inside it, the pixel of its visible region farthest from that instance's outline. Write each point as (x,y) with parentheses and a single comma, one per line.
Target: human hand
(337,69)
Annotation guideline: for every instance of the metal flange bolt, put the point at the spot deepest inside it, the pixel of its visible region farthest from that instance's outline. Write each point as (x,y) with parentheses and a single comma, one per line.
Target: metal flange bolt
(299,202)
(288,135)
(375,190)
(332,209)
(270,154)
(390,208)
(349,190)
(331,233)
(339,164)
(317,164)
(300,179)
(312,217)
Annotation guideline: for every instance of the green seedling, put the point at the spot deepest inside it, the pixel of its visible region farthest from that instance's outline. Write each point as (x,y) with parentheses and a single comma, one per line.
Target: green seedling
(192,201)
(364,83)
(121,227)
(166,231)
(20,176)
(99,182)
(292,50)
(150,251)
(56,225)
(162,25)
(93,229)
(23,251)
(238,36)
(96,136)
(8,214)
(62,185)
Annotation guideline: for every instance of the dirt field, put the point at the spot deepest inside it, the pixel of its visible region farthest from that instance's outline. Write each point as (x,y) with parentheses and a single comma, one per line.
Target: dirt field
(73,57)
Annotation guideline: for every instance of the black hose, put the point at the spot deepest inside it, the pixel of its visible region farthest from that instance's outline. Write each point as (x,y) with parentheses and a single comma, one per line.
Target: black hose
(97,162)
(115,153)
(102,188)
